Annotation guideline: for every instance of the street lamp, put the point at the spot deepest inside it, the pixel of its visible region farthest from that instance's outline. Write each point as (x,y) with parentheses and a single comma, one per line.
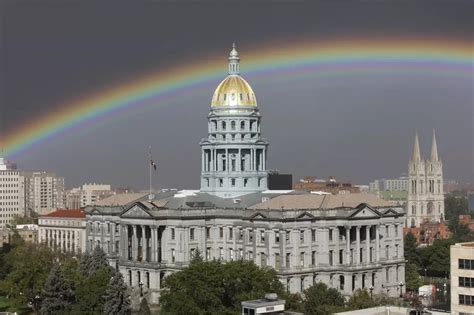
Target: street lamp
(36,303)
(401,289)
(140,284)
(371,288)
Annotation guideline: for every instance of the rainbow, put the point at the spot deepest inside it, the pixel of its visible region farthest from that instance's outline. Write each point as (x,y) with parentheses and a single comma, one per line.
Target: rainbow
(332,56)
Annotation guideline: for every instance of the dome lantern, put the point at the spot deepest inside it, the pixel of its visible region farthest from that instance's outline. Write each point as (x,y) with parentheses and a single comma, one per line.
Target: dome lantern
(234,61)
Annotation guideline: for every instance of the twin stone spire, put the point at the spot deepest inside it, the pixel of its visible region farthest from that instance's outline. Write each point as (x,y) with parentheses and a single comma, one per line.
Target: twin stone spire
(416,149)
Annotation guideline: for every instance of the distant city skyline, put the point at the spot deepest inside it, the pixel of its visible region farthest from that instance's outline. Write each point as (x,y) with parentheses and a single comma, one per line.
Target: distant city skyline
(356,125)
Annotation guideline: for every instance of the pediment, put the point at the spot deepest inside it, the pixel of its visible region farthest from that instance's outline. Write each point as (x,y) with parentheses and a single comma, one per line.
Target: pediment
(94,212)
(305,215)
(391,212)
(258,215)
(136,211)
(364,211)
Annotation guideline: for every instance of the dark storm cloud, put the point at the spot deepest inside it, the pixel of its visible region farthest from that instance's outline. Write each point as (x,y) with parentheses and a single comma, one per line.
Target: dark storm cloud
(55,51)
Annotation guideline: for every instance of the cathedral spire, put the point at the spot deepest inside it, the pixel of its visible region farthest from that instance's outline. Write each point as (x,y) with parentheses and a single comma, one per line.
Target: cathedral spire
(416,149)
(434,149)
(234,61)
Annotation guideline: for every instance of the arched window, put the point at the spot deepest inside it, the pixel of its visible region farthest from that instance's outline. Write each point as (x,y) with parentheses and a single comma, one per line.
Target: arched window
(232,125)
(242,125)
(223,125)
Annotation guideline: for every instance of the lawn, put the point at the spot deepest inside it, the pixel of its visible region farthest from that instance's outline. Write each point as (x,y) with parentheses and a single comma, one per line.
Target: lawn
(7,305)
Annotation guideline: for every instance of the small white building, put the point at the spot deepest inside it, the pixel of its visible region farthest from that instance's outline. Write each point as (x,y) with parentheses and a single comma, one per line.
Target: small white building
(63,230)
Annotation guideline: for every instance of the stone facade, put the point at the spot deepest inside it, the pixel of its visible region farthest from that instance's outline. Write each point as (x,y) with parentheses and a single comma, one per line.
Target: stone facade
(425,187)
(63,230)
(462,278)
(346,248)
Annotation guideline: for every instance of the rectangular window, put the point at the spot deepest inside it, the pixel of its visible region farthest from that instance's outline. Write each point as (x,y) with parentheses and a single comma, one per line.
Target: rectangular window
(173,255)
(313,235)
(173,234)
(466,264)
(208,232)
(277,261)
(192,252)
(231,234)
(313,258)
(221,232)
(263,260)
(262,236)
(231,254)
(221,253)
(331,254)
(208,253)
(330,234)
(387,275)
(287,260)
(341,256)
(387,251)
(277,237)
(302,236)
(466,282)
(250,255)
(302,259)
(191,234)
(287,235)
(466,299)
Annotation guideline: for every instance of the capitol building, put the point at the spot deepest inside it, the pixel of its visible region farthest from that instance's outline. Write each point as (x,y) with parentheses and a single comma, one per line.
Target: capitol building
(348,241)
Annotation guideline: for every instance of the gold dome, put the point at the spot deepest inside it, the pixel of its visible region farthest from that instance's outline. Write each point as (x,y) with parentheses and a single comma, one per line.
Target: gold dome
(234,91)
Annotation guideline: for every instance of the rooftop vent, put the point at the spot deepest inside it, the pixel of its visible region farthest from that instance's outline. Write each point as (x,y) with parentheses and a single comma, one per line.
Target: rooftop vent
(271,297)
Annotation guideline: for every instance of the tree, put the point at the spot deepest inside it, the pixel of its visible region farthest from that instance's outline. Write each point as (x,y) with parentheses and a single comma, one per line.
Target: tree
(197,257)
(410,249)
(117,298)
(91,290)
(97,260)
(321,300)
(454,206)
(29,267)
(216,287)
(57,294)
(144,308)
(435,258)
(360,299)
(412,277)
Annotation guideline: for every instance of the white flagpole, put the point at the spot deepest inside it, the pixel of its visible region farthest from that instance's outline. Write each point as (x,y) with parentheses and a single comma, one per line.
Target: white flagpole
(150,166)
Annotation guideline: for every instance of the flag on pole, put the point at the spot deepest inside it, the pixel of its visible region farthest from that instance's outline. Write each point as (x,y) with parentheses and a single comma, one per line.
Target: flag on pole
(152,162)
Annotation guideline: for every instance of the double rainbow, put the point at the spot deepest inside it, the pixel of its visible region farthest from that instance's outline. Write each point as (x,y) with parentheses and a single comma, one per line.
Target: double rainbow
(338,56)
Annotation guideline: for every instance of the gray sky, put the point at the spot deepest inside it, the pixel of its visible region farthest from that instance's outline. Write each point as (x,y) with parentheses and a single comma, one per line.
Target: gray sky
(356,127)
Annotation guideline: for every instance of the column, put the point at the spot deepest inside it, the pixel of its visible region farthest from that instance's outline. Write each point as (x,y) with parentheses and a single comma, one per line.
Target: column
(336,250)
(239,161)
(203,161)
(112,238)
(134,243)
(348,245)
(377,243)
(367,243)
(357,245)
(264,159)
(227,166)
(153,244)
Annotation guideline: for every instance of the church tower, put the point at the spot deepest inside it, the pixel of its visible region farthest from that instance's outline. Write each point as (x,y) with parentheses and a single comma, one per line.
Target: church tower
(425,187)
(234,152)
